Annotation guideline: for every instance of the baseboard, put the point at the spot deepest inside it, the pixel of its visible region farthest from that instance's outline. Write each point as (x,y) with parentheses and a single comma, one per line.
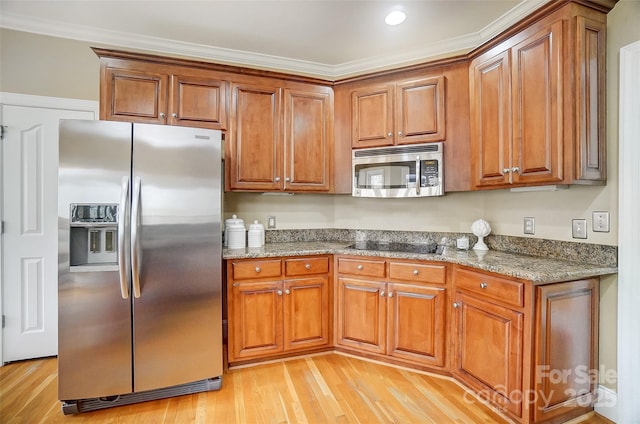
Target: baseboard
(607,404)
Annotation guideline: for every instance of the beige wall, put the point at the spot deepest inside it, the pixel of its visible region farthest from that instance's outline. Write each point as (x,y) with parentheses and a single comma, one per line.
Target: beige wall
(48,66)
(40,65)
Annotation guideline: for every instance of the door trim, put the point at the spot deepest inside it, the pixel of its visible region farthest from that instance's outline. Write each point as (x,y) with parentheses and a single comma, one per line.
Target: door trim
(28,100)
(628,409)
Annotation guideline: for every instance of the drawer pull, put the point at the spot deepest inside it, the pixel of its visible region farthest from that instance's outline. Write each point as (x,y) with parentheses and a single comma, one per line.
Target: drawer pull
(456,304)
(416,272)
(483,285)
(279,292)
(381,292)
(258,269)
(287,291)
(308,266)
(360,267)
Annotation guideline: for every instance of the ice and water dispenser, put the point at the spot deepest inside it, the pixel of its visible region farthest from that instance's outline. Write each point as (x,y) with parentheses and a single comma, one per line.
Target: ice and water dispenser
(94,234)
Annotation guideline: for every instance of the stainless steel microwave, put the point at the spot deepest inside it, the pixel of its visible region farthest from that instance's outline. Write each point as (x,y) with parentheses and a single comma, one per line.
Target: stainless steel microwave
(398,171)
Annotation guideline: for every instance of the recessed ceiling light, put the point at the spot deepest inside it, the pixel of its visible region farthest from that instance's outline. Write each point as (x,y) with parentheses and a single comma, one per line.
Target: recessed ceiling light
(395,17)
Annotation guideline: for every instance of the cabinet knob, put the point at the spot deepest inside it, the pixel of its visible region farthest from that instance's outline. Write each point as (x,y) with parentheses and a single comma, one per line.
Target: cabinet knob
(308,266)
(277,179)
(515,169)
(287,291)
(287,179)
(174,115)
(382,293)
(390,294)
(389,134)
(162,115)
(400,134)
(416,272)
(279,292)
(483,285)
(506,170)
(456,304)
(360,267)
(258,269)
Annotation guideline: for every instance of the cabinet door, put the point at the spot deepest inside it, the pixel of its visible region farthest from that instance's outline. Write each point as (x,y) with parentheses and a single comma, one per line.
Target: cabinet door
(420,111)
(491,120)
(253,158)
(361,314)
(308,139)
(538,107)
(488,343)
(306,313)
(134,96)
(590,100)
(566,354)
(255,319)
(198,102)
(416,317)
(372,117)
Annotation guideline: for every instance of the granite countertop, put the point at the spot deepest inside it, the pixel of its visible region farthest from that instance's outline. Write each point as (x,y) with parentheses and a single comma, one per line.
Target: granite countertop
(539,270)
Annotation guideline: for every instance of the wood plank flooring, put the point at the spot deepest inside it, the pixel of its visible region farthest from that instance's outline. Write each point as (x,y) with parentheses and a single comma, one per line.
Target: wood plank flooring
(330,388)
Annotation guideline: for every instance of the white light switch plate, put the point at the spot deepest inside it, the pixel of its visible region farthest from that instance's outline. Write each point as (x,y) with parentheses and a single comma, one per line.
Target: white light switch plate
(579,228)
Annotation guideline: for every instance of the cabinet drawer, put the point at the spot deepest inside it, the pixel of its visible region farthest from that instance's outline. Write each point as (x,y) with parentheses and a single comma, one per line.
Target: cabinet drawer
(256,269)
(505,291)
(306,266)
(415,272)
(368,267)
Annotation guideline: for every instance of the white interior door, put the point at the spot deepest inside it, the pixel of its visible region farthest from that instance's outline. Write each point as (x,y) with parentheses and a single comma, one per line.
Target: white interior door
(30,242)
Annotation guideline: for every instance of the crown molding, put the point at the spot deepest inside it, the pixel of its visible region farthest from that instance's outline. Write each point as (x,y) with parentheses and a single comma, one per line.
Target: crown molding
(263,61)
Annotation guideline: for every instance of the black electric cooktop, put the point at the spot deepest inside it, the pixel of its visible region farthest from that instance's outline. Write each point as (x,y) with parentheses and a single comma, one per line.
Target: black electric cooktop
(397,247)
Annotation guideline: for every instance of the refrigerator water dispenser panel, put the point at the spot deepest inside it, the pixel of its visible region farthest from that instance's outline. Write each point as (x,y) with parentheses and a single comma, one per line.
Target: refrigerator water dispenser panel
(93,234)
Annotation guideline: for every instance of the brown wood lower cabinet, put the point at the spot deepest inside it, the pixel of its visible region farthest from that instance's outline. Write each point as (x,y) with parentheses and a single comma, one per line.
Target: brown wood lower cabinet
(401,320)
(277,306)
(530,350)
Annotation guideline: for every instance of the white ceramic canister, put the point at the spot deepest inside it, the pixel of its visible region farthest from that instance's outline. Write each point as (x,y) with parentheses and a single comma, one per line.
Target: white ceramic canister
(256,234)
(236,234)
(234,220)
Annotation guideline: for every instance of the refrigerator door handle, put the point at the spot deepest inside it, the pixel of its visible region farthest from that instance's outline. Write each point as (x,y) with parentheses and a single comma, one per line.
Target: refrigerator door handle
(135,254)
(122,252)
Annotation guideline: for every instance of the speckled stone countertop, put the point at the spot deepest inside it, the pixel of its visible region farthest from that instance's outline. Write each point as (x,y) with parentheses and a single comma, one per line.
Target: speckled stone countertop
(539,270)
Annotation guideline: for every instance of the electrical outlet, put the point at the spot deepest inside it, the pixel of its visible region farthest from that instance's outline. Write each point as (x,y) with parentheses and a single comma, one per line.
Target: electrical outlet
(271,222)
(529,225)
(579,228)
(601,222)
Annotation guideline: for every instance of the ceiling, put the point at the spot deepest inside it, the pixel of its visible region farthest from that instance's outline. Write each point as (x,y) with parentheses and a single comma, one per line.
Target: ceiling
(323,38)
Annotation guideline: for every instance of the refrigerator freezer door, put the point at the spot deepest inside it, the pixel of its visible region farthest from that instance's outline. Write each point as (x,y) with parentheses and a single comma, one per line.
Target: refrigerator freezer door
(94,321)
(177,316)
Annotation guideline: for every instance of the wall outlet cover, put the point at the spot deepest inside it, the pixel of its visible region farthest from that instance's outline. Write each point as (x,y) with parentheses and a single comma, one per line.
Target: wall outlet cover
(529,224)
(600,222)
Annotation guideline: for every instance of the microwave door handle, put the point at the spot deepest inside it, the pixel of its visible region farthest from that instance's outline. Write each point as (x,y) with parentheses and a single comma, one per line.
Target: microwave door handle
(418,175)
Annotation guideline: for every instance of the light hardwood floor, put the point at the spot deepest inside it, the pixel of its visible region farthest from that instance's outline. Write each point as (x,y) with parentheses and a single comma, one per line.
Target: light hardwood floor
(329,388)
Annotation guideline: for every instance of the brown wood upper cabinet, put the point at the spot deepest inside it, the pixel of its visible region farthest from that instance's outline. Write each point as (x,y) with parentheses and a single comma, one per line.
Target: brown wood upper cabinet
(281,137)
(537,111)
(406,112)
(135,92)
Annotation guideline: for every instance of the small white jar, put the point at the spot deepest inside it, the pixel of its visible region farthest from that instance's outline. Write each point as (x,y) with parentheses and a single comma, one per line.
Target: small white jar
(256,234)
(236,234)
(228,223)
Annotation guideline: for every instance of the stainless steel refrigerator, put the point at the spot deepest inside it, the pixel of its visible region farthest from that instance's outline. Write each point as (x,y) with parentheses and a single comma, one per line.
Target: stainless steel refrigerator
(140,260)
